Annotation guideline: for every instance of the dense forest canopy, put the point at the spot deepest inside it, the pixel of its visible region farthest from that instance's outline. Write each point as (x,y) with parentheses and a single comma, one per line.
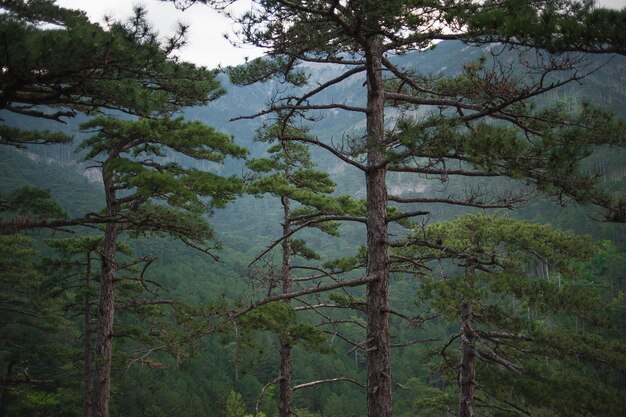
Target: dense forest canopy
(405,208)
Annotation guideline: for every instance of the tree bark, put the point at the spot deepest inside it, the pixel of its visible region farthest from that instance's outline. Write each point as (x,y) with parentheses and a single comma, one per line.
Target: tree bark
(284,384)
(467,373)
(106,308)
(88,364)
(378,350)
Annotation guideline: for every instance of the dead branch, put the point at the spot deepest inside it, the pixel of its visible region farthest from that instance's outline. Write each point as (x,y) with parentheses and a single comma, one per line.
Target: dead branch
(314,290)
(265,387)
(274,109)
(304,225)
(490,356)
(141,303)
(325,381)
(413,342)
(407,215)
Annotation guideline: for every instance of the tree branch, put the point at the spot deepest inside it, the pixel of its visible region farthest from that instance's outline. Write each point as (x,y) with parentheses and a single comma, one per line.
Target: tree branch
(304,225)
(325,381)
(314,290)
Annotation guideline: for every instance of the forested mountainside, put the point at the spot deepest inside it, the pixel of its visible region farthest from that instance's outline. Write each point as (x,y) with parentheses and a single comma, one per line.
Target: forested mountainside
(179,359)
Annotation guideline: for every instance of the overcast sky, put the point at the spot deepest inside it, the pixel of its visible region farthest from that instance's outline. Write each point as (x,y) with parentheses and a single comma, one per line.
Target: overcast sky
(206,43)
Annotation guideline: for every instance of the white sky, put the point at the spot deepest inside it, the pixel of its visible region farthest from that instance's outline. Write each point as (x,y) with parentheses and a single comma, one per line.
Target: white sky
(206,44)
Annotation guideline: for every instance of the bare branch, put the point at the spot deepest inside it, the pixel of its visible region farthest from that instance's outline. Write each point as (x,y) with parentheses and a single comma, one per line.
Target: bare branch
(502,335)
(329,218)
(206,251)
(330,149)
(314,290)
(141,303)
(504,203)
(274,109)
(90,219)
(444,172)
(413,342)
(407,215)
(325,381)
(265,387)
(327,84)
(491,356)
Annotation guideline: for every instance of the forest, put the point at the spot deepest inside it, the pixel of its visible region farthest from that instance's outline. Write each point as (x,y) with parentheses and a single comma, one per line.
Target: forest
(403,208)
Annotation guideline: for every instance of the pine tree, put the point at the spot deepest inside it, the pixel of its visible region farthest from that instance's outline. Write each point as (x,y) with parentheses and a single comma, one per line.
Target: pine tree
(288,173)
(35,355)
(147,195)
(79,256)
(516,336)
(542,146)
(56,65)
(75,270)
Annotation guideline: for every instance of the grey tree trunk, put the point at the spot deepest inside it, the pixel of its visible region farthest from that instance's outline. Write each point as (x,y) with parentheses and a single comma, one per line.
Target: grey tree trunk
(106,308)
(284,384)
(467,373)
(88,354)
(378,355)
(285,390)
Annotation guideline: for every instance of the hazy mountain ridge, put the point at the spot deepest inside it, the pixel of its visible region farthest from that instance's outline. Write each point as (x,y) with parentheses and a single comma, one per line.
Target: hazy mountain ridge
(605,87)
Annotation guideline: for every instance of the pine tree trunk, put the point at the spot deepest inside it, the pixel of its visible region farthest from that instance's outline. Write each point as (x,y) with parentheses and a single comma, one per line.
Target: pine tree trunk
(285,390)
(106,309)
(467,374)
(88,365)
(378,354)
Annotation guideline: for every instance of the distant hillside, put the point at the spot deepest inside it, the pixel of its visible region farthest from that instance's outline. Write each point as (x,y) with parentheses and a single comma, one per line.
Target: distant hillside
(604,87)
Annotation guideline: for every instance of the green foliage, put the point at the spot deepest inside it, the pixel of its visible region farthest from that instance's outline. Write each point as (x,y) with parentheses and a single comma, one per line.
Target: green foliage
(559,26)
(430,401)
(546,308)
(234,405)
(514,311)
(279,318)
(55,57)
(342,300)
(298,247)
(151,137)
(32,202)
(288,171)
(276,317)
(38,340)
(348,263)
(547,152)
(153,219)
(19,138)
(262,69)
(484,235)
(164,197)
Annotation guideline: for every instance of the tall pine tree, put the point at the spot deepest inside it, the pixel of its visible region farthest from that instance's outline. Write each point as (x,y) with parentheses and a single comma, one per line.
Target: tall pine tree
(146,194)
(288,173)
(359,37)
